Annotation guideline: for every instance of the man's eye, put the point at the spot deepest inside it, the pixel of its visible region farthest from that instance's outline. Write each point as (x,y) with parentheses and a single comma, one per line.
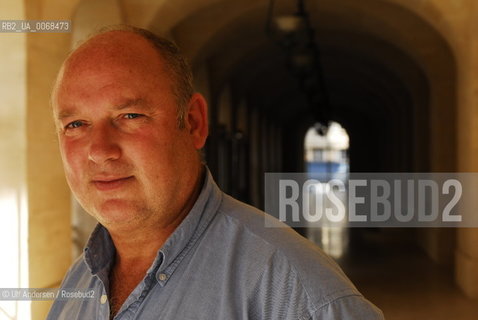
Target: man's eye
(74,125)
(132,115)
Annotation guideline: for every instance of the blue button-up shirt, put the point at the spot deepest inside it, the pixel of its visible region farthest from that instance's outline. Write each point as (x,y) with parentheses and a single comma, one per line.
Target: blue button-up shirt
(220,263)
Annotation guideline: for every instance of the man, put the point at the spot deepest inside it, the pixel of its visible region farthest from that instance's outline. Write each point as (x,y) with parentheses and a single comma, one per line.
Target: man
(169,244)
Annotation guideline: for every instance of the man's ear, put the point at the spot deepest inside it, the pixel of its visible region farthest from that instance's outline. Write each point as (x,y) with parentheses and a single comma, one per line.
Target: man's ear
(197,120)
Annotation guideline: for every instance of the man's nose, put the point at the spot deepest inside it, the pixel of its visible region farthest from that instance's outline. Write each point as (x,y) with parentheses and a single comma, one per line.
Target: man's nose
(104,145)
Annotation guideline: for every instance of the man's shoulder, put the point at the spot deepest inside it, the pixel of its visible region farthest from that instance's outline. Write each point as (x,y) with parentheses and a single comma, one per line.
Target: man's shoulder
(316,271)
(295,266)
(277,235)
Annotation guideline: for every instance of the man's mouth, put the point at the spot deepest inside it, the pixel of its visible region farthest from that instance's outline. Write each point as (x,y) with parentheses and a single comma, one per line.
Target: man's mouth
(110,183)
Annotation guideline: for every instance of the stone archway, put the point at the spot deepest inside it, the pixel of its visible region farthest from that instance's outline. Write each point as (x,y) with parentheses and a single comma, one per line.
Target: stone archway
(416,42)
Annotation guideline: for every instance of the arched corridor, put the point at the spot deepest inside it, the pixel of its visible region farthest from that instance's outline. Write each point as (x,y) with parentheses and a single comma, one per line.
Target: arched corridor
(400,77)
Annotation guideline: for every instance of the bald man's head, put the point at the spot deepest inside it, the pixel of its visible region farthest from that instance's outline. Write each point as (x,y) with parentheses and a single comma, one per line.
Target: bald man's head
(116,108)
(110,42)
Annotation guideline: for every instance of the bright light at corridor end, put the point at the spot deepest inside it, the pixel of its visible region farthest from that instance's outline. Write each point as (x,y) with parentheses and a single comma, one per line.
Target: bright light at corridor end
(336,138)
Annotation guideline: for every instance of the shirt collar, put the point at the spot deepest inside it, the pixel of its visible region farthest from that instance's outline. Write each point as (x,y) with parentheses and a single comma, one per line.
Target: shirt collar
(191,228)
(99,252)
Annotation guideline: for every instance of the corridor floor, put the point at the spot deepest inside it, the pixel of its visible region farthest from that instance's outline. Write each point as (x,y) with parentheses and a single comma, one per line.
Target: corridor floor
(402,281)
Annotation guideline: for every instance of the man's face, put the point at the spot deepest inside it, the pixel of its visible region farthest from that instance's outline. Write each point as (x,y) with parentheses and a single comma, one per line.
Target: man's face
(125,158)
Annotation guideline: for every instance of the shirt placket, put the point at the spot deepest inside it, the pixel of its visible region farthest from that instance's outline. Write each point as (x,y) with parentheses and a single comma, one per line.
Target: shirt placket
(136,298)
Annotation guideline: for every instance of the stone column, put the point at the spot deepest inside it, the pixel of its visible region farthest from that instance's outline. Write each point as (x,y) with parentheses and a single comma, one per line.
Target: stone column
(48,194)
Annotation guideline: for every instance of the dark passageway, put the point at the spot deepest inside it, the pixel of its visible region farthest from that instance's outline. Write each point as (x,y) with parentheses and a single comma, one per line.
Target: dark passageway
(380,89)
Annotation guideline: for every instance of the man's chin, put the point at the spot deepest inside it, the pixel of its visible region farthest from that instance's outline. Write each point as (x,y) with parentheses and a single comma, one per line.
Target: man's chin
(118,212)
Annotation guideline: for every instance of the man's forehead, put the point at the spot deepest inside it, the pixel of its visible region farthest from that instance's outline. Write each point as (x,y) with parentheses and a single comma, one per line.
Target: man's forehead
(114,47)
(113,59)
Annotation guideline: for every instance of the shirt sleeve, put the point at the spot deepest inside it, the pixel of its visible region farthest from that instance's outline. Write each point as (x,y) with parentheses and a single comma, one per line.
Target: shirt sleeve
(353,307)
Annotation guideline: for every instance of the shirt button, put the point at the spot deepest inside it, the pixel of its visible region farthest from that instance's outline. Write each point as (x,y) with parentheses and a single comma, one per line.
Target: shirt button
(162,277)
(103,298)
